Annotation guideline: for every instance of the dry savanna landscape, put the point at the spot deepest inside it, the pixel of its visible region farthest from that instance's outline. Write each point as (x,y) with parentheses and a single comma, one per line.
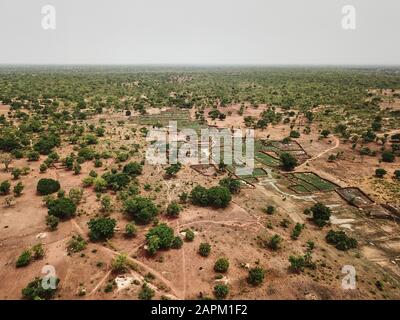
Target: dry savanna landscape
(81,206)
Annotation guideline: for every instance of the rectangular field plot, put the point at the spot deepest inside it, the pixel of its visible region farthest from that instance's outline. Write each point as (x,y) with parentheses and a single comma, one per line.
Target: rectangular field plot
(257,172)
(267,159)
(316,181)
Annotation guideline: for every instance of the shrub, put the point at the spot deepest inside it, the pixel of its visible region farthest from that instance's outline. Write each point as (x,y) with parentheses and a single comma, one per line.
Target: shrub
(146,293)
(120,264)
(173,209)
(47,186)
(52,222)
(298,228)
(164,234)
(100,185)
(177,243)
(275,242)
(325,133)
(101,228)
(380,172)
(88,181)
(76,244)
(173,169)
(270,210)
(189,235)
(256,276)
(388,156)
(106,205)
(199,196)
(204,249)
(24,259)
(86,153)
(36,291)
(5,187)
(221,291)
(16,173)
(75,194)
(397,174)
(289,162)
(221,265)
(18,189)
(133,169)
(143,210)
(340,240)
(218,197)
(33,156)
(232,185)
(320,214)
(38,251)
(130,230)
(297,263)
(294,134)
(62,208)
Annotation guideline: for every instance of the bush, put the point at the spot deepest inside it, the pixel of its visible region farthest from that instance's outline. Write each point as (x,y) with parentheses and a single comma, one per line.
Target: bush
(100,185)
(75,194)
(5,187)
(294,134)
(33,156)
(76,244)
(47,186)
(221,265)
(101,228)
(38,251)
(204,249)
(232,185)
(397,174)
(143,210)
(18,189)
(189,235)
(120,264)
(289,162)
(199,196)
(52,222)
(388,156)
(256,276)
(173,209)
(320,214)
(24,259)
(133,169)
(162,236)
(146,293)
(218,197)
(275,242)
(130,230)
(380,172)
(16,173)
(297,263)
(340,240)
(270,210)
(62,208)
(298,228)
(173,169)
(221,291)
(35,290)
(177,243)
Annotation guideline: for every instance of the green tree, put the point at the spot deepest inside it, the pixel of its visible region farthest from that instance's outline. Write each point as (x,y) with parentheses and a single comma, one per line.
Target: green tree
(320,214)
(221,265)
(288,161)
(221,291)
(173,209)
(256,276)
(101,228)
(204,249)
(143,210)
(62,208)
(47,186)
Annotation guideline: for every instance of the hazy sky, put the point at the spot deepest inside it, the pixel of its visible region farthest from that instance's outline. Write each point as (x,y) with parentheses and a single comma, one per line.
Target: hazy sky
(200,32)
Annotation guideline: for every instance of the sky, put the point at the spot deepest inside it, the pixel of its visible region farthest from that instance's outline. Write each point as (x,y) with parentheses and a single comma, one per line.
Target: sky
(200,32)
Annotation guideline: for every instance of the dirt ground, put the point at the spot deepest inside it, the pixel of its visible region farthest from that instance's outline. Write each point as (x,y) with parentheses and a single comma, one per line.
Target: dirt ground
(238,232)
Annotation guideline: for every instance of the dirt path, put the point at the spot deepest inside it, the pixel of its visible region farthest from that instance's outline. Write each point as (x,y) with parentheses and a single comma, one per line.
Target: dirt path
(337,144)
